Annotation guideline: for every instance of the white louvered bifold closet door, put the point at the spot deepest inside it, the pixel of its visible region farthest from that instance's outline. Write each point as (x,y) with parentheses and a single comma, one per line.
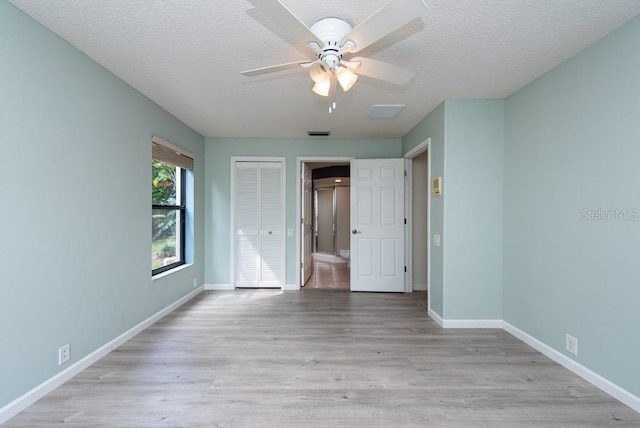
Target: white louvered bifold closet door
(272,263)
(246,224)
(259,218)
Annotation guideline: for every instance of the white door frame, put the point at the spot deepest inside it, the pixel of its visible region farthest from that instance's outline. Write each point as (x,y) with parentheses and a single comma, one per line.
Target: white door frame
(298,229)
(409,156)
(306,223)
(232,228)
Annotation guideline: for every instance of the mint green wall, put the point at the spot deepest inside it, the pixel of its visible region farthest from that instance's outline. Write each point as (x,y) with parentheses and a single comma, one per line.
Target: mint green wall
(572,142)
(472,239)
(218,187)
(76,204)
(433,126)
(467,143)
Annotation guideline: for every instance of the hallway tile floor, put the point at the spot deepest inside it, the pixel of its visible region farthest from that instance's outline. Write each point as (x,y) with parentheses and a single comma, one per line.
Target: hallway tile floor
(329,275)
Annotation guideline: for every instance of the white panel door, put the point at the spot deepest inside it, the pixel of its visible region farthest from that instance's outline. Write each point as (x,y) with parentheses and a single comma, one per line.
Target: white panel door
(307,195)
(377,223)
(259,258)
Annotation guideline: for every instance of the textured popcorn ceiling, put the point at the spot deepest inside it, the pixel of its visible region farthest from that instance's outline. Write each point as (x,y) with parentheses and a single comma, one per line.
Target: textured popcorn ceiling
(187,56)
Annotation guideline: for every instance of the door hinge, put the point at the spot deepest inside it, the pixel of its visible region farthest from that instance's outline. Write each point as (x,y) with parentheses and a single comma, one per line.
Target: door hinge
(405,172)
(405,269)
(302,220)
(405,221)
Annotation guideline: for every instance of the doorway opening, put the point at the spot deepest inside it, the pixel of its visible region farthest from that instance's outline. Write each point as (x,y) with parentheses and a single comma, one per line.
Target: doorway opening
(418,207)
(325,220)
(380,222)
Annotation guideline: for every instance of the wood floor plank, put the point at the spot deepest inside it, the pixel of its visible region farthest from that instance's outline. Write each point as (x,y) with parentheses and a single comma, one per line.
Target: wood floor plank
(320,358)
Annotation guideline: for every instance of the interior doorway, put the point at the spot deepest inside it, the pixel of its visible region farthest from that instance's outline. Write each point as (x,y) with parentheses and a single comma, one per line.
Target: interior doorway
(331,219)
(324,250)
(419,227)
(418,191)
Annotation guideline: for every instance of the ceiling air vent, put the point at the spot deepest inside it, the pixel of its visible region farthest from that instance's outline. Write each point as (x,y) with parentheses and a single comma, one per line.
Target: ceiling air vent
(318,133)
(385,111)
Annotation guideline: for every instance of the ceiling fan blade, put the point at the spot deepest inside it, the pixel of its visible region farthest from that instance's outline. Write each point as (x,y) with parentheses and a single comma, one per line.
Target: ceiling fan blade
(275,68)
(382,71)
(350,64)
(386,20)
(308,64)
(290,23)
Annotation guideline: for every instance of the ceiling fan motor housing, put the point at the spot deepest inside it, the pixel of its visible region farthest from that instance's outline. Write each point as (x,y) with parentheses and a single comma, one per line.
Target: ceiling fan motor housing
(331,32)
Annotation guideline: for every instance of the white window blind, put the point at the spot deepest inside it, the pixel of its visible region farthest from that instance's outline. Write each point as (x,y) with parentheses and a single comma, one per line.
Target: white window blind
(166,152)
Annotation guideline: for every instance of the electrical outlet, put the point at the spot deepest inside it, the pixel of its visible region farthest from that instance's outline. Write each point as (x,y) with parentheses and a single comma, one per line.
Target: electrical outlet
(572,345)
(64,353)
(195,282)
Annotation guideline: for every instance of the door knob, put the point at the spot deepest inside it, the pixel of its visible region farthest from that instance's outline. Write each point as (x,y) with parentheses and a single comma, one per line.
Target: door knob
(270,232)
(354,231)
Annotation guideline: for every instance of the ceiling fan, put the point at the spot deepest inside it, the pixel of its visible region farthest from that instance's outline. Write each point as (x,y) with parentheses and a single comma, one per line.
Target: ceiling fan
(330,39)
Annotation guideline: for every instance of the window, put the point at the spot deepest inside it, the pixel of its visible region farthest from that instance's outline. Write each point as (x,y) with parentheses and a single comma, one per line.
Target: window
(169,205)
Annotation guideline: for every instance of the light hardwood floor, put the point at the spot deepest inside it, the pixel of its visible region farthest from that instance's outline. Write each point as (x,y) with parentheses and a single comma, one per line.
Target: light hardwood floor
(322,358)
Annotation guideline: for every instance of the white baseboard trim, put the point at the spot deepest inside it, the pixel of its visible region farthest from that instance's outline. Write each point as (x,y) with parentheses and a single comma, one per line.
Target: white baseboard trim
(218,287)
(434,316)
(291,287)
(471,323)
(445,323)
(595,379)
(30,397)
(419,287)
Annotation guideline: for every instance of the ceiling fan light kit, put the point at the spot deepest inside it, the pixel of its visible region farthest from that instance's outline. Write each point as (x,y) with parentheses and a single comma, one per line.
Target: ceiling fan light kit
(318,72)
(346,77)
(322,88)
(331,38)
(330,31)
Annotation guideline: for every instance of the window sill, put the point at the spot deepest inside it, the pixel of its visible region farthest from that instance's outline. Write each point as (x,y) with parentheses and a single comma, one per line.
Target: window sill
(171,271)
